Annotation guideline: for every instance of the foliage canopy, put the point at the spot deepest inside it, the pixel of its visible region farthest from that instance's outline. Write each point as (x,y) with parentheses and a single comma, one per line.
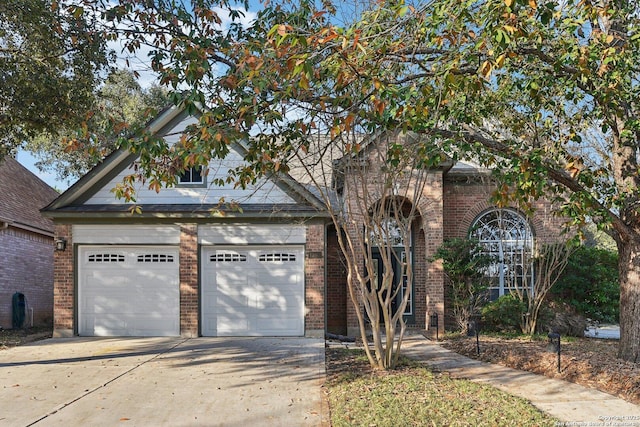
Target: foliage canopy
(51,56)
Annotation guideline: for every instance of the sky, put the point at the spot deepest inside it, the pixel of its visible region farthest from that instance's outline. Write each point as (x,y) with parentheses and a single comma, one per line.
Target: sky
(27,160)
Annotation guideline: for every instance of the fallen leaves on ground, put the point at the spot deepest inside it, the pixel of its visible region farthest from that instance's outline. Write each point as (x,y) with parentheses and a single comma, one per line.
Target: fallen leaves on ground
(15,337)
(590,362)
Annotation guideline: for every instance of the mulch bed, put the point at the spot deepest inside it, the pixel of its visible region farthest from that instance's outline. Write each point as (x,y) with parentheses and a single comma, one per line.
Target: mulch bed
(590,362)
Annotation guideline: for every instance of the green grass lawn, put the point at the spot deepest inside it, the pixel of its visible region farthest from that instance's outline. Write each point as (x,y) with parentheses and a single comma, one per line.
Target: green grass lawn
(413,395)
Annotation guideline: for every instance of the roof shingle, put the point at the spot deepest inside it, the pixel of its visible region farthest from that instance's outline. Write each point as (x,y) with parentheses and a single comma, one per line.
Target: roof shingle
(22,195)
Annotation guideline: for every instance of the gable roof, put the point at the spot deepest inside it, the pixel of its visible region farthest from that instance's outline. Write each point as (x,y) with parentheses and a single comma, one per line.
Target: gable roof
(79,198)
(22,194)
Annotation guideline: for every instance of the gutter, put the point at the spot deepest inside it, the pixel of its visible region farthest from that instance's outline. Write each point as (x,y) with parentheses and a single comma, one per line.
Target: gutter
(6,223)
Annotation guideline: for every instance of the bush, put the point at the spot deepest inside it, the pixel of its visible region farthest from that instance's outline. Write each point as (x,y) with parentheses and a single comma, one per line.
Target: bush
(464,263)
(590,284)
(503,314)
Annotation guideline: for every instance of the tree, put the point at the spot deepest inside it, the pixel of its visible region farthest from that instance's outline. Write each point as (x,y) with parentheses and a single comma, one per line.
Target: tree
(50,58)
(545,93)
(517,85)
(465,264)
(120,107)
(547,266)
(589,284)
(382,187)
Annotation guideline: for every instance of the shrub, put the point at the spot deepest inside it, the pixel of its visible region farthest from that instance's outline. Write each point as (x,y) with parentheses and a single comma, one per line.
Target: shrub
(464,264)
(590,284)
(503,314)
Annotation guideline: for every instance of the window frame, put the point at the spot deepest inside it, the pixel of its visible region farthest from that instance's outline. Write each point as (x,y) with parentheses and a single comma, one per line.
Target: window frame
(513,245)
(191,184)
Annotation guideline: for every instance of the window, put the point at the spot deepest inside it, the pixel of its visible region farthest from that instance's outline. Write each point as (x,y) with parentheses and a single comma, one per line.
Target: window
(106,258)
(389,231)
(155,258)
(506,237)
(275,257)
(409,308)
(389,237)
(227,257)
(192,177)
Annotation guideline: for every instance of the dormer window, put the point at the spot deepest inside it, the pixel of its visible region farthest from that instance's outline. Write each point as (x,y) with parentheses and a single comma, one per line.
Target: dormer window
(192,177)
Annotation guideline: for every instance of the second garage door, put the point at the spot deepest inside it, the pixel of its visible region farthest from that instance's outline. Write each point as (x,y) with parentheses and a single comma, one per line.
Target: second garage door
(253,291)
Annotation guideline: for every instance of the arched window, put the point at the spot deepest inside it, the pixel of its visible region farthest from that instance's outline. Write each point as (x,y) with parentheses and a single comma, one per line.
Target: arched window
(507,238)
(389,231)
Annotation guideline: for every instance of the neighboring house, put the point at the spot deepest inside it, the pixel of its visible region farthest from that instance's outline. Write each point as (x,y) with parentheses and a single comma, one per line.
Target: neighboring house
(26,245)
(271,268)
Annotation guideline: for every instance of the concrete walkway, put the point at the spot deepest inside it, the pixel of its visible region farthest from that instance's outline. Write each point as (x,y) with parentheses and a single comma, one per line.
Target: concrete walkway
(572,404)
(609,332)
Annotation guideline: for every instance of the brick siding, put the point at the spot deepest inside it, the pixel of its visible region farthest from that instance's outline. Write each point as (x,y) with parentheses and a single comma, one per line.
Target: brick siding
(189,280)
(315,280)
(337,299)
(26,267)
(465,201)
(63,285)
(427,237)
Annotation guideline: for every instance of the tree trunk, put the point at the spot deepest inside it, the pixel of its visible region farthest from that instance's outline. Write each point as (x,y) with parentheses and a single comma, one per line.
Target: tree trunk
(629,271)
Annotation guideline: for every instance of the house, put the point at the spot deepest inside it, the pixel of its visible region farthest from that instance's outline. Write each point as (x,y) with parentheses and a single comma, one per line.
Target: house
(26,245)
(270,268)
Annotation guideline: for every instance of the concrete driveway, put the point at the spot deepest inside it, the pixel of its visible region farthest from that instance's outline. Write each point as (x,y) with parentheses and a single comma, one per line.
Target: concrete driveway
(164,382)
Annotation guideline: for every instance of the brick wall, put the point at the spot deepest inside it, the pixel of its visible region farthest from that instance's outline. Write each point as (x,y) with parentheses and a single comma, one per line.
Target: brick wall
(427,235)
(465,200)
(63,285)
(26,266)
(189,280)
(315,280)
(430,289)
(337,298)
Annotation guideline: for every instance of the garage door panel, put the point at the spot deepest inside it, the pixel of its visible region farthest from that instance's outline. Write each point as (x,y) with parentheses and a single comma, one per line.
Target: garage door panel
(265,324)
(233,325)
(275,326)
(131,291)
(253,291)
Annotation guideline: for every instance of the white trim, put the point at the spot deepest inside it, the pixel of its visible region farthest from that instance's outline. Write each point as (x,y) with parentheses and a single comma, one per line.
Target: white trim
(126,234)
(250,234)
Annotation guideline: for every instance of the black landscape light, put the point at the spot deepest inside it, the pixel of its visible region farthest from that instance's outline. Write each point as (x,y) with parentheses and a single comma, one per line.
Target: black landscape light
(433,323)
(554,341)
(473,328)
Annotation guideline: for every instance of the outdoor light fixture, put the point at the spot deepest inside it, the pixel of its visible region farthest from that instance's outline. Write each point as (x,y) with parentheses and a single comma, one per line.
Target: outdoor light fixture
(433,322)
(554,345)
(61,244)
(473,328)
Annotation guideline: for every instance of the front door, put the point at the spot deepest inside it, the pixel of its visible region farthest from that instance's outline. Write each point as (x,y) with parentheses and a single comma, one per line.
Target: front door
(399,279)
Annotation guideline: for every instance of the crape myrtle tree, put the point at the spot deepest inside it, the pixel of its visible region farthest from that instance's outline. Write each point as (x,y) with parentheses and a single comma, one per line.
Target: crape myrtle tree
(547,265)
(380,181)
(545,93)
(230,74)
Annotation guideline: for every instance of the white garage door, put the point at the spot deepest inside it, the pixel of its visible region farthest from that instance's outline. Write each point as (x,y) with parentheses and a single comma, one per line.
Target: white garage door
(253,291)
(128,291)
